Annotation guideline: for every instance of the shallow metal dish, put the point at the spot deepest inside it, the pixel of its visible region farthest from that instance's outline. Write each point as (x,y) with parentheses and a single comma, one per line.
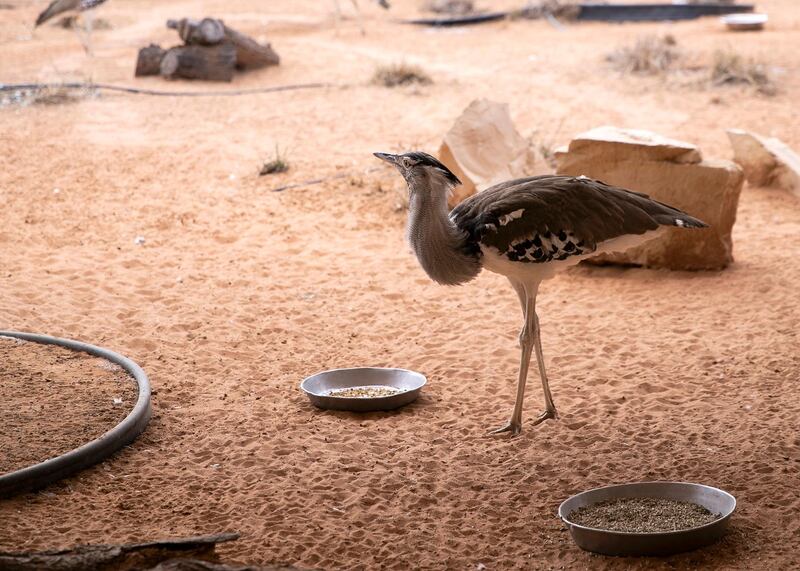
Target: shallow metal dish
(318,386)
(745,22)
(660,543)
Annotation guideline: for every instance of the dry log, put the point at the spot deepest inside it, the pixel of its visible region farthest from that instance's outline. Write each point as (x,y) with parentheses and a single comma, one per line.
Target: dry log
(209,31)
(113,557)
(206,32)
(249,53)
(211,63)
(149,60)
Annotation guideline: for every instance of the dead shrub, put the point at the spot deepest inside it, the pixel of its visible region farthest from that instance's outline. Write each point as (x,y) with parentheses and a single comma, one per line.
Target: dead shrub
(54,96)
(277,164)
(649,55)
(559,9)
(400,74)
(449,7)
(45,95)
(729,68)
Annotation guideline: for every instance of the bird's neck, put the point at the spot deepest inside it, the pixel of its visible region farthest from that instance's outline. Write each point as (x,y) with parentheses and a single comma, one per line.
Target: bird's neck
(439,245)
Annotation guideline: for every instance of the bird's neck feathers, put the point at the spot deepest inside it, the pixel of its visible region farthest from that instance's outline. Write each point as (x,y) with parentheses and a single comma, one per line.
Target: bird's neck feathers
(439,245)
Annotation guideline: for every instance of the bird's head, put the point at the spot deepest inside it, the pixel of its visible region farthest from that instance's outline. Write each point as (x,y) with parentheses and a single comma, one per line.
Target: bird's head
(421,170)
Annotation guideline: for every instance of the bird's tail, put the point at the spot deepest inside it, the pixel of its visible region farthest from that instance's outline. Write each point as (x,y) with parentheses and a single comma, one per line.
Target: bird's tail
(56,7)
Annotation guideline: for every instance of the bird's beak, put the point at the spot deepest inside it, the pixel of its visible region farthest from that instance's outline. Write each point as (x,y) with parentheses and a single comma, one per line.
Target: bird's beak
(391,159)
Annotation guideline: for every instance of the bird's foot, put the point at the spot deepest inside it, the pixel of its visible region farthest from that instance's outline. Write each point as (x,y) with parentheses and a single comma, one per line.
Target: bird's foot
(512,426)
(549,413)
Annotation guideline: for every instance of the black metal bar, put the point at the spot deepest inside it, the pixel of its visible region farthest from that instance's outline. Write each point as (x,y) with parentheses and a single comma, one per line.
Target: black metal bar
(602,13)
(655,12)
(459,20)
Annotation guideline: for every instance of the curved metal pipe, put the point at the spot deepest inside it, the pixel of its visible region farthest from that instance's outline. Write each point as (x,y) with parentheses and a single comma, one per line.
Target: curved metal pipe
(44,473)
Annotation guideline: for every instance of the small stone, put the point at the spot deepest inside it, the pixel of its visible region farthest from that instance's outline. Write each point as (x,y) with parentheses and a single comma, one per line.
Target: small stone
(139,240)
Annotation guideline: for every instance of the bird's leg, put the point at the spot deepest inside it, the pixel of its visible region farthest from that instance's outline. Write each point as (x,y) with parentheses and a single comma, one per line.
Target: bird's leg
(526,342)
(523,302)
(86,38)
(360,17)
(550,408)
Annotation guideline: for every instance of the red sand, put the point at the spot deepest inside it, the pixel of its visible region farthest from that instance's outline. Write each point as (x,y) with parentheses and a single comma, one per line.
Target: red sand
(238,293)
(55,400)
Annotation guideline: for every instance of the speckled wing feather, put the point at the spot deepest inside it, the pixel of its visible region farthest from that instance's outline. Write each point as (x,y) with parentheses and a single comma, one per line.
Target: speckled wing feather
(542,218)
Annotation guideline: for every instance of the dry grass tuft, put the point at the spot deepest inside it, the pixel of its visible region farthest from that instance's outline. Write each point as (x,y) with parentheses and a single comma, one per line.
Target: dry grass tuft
(650,55)
(277,164)
(559,9)
(47,95)
(657,55)
(450,7)
(400,74)
(729,68)
(55,96)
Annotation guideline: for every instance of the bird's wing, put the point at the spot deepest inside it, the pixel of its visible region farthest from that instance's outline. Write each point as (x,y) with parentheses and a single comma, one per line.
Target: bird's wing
(55,8)
(553,217)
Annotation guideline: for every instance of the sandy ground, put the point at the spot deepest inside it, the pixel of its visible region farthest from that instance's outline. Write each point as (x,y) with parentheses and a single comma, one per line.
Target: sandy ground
(55,400)
(239,292)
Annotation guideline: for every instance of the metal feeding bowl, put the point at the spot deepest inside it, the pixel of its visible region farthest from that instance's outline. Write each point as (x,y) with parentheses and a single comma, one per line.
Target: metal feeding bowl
(322,387)
(660,543)
(745,22)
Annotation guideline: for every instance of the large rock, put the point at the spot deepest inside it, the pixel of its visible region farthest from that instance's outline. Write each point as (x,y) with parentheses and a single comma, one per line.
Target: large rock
(483,148)
(631,145)
(766,161)
(672,172)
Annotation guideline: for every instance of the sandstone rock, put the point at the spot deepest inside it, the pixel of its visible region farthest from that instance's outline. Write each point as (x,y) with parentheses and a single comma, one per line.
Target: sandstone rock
(766,161)
(669,171)
(632,144)
(483,148)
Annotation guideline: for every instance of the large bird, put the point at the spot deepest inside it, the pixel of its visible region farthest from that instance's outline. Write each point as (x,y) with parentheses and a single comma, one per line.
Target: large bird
(525,229)
(57,7)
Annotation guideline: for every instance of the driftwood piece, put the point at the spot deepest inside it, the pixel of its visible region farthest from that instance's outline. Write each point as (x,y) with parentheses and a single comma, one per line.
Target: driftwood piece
(209,31)
(211,52)
(149,60)
(249,53)
(206,32)
(211,63)
(116,557)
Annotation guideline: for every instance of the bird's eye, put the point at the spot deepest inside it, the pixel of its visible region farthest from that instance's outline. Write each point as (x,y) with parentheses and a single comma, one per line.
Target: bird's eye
(407,163)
